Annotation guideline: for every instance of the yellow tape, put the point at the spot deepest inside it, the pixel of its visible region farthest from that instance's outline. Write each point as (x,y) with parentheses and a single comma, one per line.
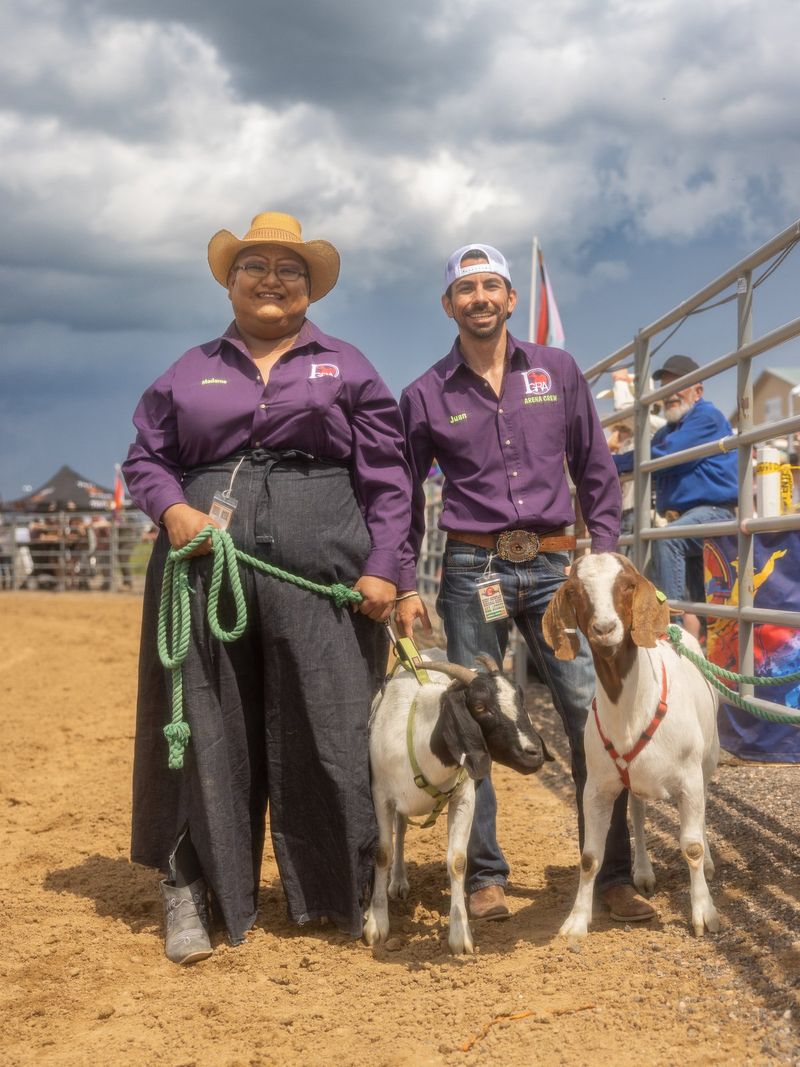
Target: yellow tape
(787,488)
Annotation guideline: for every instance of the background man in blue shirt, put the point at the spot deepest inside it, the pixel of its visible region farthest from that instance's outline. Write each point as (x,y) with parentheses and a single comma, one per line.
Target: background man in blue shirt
(700,490)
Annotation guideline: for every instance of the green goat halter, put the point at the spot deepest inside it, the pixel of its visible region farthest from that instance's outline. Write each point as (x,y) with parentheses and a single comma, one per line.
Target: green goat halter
(442,797)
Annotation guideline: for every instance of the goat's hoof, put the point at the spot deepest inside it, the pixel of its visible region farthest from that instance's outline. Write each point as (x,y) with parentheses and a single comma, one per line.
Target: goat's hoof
(574,928)
(459,936)
(399,890)
(461,946)
(706,919)
(374,931)
(645,881)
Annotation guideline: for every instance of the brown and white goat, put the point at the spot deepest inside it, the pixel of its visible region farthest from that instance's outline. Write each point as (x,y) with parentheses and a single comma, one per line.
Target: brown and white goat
(478,718)
(631,741)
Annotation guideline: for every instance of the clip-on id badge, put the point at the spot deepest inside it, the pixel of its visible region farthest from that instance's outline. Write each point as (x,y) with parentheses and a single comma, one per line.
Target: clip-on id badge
(490,595)
(223,505)
(222,509)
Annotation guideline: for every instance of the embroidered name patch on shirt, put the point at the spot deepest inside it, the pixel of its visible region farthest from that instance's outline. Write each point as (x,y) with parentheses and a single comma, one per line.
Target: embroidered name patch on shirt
(214,381)
(324,370)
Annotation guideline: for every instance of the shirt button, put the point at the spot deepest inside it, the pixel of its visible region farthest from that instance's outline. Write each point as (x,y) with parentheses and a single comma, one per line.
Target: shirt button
(256,444)
(519,501)
(500,410)
(262,405)
(513,474)
(507,441)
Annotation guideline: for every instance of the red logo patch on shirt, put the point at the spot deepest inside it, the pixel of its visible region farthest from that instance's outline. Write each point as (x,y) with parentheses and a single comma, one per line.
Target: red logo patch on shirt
(324,370)
(537,381)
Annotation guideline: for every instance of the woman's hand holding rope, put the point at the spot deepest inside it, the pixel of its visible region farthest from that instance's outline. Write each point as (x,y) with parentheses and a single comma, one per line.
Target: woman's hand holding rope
(183,524)
(378,597)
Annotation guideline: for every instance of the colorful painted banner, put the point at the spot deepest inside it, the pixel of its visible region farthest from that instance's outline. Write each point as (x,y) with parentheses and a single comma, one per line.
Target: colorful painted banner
(776,565)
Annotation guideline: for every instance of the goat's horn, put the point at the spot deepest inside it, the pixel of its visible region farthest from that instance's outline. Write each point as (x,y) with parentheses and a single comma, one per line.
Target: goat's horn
(453,670)
(488,663)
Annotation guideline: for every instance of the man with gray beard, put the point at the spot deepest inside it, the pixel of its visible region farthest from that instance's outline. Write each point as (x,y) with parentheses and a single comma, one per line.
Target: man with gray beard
(700,490)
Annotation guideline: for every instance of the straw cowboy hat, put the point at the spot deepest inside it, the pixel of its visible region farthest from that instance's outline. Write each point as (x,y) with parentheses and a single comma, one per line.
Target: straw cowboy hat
(275,228)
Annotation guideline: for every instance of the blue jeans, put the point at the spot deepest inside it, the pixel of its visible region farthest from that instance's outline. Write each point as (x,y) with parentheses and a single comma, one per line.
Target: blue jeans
(527,590)
(678,562)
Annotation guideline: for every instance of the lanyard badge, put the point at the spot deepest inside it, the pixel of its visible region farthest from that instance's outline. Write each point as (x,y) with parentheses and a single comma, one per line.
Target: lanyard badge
(222,509)
(490,596)
(223,505)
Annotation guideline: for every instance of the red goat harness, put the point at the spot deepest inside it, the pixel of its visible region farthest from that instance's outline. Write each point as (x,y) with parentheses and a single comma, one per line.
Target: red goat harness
(623,762)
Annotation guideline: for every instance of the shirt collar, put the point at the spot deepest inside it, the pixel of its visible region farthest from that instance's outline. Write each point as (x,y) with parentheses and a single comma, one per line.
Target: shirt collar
(455,360)
(310,335)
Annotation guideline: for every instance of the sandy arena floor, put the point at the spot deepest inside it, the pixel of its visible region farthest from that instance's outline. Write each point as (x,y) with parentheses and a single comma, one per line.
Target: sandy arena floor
(84,978)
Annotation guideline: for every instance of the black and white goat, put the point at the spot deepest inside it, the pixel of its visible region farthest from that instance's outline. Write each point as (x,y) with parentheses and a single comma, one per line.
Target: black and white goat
(477,718)
(654,726)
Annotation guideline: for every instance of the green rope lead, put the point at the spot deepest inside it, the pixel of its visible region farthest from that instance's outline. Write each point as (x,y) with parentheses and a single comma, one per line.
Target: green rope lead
(175,616)
(711,670)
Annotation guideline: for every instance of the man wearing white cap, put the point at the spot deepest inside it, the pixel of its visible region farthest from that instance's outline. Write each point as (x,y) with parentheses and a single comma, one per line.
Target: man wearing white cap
(501,416)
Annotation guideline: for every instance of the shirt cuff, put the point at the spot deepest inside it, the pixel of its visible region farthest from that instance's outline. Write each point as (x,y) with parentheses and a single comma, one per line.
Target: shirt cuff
(407,578)
(603,545)
(382,563)
(159,503)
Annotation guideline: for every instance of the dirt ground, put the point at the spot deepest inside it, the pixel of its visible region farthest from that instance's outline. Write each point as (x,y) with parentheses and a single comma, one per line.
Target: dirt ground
(85,980)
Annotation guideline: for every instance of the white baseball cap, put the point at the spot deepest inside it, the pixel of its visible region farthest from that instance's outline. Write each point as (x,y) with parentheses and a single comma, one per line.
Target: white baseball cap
(496,264)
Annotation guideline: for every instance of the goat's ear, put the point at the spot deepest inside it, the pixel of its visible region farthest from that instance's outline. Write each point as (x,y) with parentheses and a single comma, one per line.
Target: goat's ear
(650,614)
(462,735)
(559,625)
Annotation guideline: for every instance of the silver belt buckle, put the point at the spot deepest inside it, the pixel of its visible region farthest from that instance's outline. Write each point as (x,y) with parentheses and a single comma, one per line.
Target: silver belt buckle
(518,546)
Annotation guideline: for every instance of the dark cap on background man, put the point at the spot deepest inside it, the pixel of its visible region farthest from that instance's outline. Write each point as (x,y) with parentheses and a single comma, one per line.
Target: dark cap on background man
(677,365)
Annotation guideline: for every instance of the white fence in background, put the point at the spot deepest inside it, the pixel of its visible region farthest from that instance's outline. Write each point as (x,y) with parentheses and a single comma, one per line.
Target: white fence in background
(73,550)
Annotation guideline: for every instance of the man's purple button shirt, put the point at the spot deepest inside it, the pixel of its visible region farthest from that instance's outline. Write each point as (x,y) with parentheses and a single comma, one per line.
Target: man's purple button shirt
(503,459)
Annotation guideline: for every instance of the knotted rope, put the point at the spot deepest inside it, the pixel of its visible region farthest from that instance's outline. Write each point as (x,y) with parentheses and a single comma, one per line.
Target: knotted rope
(713,673)
(174,615)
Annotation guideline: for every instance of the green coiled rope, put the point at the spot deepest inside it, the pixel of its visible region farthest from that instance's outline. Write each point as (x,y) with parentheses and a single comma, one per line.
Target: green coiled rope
(174,615)
(713,673)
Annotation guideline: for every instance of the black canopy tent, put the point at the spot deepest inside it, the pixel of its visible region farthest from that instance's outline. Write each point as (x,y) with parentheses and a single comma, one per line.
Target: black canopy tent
(65,491)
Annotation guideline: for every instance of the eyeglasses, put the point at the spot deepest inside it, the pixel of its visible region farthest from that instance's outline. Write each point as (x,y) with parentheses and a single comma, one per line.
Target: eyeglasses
(261,270)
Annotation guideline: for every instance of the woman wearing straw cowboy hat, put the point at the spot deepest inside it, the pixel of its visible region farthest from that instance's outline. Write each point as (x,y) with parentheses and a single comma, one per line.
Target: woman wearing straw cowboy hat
(292,434)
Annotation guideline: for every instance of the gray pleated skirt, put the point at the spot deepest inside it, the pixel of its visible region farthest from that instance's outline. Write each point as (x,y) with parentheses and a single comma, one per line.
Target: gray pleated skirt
(279,717)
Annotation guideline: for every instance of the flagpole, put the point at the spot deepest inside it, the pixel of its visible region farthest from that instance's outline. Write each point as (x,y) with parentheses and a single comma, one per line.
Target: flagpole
(534,289)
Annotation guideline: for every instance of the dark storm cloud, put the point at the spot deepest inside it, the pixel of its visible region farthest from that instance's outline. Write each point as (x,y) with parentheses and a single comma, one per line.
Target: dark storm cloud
(128,298)
(361,54)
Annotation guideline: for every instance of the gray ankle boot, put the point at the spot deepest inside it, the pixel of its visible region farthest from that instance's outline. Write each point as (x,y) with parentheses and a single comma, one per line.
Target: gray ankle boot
(186,911)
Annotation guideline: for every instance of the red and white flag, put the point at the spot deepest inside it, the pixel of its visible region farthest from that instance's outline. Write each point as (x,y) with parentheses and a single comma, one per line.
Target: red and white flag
(119,490)
(545,321)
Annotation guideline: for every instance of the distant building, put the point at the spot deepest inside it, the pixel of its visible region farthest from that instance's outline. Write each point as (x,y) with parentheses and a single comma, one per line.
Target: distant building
(774,399)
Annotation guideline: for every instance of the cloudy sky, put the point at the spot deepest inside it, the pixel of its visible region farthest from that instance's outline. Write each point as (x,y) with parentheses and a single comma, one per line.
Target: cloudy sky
(649,143)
